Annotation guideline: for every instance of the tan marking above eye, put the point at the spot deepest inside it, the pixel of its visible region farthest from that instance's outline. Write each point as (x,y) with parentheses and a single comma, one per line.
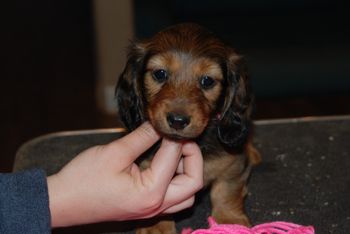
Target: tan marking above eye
(167,61)
(207,67)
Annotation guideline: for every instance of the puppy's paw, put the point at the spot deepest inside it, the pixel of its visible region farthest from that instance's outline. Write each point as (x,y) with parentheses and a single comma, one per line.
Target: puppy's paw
(162,227)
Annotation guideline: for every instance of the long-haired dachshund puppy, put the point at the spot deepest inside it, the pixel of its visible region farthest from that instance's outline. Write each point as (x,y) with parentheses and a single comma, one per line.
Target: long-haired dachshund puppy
(190,85)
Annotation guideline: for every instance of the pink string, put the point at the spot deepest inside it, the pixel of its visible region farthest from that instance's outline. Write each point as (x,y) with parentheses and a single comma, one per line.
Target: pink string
(266,228)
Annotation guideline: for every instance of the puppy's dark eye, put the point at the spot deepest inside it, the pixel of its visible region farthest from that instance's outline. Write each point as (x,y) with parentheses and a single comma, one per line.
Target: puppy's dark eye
(160,75)
(206,82)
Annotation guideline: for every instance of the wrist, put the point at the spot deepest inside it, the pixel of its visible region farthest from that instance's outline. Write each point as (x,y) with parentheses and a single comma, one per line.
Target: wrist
(58,199)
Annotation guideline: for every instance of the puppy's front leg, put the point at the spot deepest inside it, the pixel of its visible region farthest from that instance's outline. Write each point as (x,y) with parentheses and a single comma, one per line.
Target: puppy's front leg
(227,198)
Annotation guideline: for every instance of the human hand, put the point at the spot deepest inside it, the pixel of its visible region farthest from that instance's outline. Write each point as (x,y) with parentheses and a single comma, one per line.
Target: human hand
(104,184)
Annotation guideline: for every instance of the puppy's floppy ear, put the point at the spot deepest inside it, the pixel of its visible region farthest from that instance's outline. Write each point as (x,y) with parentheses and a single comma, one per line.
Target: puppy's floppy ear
(129,88)
(234,122)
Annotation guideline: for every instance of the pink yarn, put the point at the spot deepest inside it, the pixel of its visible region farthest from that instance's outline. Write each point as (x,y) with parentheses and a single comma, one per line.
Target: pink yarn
(266,228)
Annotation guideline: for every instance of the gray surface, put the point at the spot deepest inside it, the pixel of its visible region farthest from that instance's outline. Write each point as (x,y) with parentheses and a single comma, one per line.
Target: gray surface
(304,177)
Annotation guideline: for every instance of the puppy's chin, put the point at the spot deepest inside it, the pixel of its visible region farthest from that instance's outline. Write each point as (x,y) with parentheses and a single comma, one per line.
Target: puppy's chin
(177,135)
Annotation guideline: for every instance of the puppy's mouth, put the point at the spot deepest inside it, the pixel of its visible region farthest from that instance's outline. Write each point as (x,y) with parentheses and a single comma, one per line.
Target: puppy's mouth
(178,127)
(188,133)
(175,135)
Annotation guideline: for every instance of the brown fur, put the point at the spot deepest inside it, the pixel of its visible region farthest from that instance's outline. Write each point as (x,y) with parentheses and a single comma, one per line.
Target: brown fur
(218,117)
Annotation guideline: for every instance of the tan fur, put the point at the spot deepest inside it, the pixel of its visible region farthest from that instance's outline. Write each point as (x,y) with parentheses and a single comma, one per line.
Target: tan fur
(182,92)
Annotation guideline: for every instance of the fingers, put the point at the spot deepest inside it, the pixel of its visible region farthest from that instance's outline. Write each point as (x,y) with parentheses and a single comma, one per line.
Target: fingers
(180,167)
(136,142)
(183,186)
(175,193)
(192,165)
(164,163)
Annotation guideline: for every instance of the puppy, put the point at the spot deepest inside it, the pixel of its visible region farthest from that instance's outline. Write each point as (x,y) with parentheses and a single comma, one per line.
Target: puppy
(190,85)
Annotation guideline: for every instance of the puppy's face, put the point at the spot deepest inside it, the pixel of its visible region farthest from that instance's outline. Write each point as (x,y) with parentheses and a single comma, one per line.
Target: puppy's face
(181,92)
(179,80)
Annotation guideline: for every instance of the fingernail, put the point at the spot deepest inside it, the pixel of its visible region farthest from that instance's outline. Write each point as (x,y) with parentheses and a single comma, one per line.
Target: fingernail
(168,142)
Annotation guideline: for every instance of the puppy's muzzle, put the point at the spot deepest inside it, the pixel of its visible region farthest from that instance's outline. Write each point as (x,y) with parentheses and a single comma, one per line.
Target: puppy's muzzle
(178,121)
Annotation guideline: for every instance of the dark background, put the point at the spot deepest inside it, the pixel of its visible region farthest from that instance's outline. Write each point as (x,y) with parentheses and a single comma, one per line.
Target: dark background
(298,54)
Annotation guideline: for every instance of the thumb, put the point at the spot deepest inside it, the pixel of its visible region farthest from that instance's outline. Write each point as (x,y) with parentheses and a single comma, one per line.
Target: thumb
(136,142)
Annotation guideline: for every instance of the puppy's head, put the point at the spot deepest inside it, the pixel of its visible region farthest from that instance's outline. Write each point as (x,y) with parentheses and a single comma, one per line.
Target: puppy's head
(181,80)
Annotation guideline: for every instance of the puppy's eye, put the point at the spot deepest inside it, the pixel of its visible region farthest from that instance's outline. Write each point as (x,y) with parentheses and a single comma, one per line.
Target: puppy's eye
(160,75)
(206,82)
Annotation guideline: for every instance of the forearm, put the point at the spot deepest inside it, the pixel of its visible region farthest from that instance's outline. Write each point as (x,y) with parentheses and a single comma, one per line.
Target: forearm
(24,202)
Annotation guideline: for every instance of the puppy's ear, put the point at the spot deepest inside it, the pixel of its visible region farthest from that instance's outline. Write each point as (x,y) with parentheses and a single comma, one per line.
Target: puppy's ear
(234,121)
(129,88)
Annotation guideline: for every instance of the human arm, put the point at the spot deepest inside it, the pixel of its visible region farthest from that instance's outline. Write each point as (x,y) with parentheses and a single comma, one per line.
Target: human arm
(24,206)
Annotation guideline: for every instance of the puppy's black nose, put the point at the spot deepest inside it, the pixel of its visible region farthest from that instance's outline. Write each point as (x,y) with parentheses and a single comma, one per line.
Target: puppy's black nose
(178,121)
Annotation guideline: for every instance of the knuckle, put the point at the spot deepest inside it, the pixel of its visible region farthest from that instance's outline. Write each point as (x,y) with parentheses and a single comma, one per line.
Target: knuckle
(153,199)
(153,203)
(198,183)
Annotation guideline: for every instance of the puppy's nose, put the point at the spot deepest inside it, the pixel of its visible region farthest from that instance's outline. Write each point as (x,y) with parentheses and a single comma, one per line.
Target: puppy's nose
(178,121)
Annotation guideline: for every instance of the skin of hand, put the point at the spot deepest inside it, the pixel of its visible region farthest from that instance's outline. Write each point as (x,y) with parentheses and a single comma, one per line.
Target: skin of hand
(104,184)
